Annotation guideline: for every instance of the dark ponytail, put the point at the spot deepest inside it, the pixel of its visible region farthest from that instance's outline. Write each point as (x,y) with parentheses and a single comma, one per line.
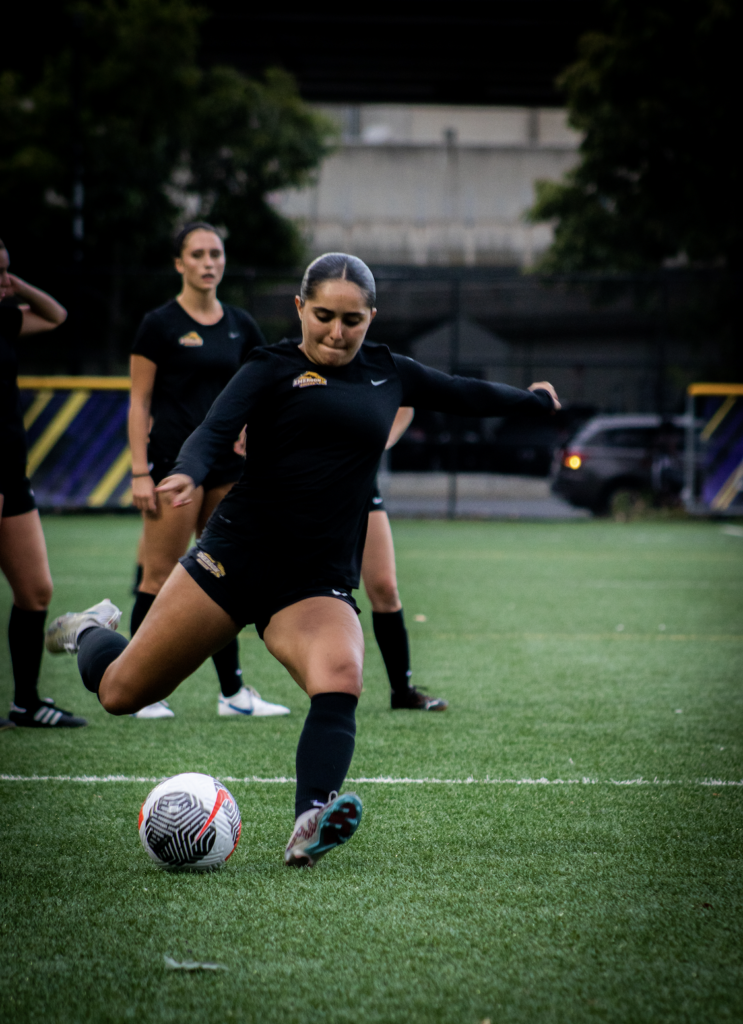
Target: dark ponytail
(195,225)
(339,266)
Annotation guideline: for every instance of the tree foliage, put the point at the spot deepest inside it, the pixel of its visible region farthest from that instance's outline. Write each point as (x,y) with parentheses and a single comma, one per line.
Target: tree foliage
(159,139)
(658,177)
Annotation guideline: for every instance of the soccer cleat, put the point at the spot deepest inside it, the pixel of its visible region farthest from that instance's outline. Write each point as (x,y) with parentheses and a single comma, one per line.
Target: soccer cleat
(45,716)
(248,701)
(321,829)
(414,700)
(5,723)
(64,632)
(160,709)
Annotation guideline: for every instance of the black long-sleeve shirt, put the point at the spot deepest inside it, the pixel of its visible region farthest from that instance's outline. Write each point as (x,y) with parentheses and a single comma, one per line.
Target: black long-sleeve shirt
(315,436)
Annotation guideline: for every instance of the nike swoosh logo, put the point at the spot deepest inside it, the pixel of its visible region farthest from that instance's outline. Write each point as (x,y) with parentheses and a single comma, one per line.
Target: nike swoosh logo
(234,335)
(377,501)
(376,383)
(222,795)
(339,593)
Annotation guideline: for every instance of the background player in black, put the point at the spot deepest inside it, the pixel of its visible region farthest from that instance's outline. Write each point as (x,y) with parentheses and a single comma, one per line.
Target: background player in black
(183,355)
(379,573)
(284,548)
(23,558)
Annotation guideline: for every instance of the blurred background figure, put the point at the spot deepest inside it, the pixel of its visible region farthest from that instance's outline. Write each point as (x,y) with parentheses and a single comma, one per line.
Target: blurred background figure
(184,354)
(24,310)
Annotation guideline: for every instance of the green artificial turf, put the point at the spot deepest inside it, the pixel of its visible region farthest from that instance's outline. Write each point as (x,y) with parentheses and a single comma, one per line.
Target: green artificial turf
(595,653)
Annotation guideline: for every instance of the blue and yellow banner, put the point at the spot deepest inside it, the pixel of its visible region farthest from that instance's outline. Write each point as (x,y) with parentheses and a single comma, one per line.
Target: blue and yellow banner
(719,410)
(78,451)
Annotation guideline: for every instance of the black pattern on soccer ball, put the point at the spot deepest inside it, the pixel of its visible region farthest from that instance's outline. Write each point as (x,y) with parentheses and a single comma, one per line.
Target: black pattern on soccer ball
(172,826)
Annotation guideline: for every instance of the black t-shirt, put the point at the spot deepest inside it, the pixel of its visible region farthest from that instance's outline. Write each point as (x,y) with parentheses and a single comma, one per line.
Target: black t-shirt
(12,437)
(314,440)
(194,362)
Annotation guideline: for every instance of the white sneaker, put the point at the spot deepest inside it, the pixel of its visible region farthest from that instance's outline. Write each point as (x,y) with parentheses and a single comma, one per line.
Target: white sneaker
(248,701)
(322,829)
(63,633)
(160,709)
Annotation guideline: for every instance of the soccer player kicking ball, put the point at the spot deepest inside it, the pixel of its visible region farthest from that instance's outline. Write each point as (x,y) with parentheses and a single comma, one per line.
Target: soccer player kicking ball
(283,549)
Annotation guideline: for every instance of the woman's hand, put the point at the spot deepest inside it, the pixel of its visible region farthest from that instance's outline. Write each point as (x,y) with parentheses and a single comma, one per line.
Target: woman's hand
(543,385)
(178,488)
(143,494)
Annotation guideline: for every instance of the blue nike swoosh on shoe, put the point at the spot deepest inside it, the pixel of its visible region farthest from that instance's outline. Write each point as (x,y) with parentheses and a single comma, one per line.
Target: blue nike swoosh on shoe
(242,711)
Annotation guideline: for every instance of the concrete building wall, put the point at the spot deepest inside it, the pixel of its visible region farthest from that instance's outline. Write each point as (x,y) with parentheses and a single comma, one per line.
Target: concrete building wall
(433,185)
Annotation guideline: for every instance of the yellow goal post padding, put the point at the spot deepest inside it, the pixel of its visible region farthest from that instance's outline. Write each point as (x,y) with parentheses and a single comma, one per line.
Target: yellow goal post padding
(75,383)
(715,389)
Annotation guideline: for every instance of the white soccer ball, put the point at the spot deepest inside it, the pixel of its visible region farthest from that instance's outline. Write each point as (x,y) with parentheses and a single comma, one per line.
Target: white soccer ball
(190,822)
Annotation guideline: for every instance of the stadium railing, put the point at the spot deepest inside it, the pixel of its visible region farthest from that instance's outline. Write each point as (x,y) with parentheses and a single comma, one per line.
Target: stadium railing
(714,450)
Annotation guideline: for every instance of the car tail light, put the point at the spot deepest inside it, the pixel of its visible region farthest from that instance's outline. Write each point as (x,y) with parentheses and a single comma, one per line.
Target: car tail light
(573,460)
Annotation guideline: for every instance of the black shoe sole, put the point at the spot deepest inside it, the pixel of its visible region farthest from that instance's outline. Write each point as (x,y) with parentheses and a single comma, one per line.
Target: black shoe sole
(74,723)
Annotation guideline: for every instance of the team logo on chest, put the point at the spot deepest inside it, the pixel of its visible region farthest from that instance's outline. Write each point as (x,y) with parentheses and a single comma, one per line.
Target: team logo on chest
(210,564)
(191,340)
(308,380)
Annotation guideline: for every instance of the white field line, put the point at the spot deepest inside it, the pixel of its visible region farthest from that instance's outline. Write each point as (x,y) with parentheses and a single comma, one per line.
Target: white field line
(384,780)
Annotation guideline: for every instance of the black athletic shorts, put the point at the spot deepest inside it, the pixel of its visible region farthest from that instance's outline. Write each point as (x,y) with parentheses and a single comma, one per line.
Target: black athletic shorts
(376,502)
(15,486)
(217,477)
(224,572)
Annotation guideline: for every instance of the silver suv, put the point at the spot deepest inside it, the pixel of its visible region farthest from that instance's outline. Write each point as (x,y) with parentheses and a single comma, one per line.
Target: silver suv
(617,464)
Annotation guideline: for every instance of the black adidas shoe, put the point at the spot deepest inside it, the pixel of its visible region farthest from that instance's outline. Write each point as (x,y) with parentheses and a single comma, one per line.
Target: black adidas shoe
(5,723)
(414,700)
(46,715)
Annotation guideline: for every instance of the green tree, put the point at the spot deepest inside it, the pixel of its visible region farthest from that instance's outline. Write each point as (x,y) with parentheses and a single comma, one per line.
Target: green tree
(655,96)
(157,138)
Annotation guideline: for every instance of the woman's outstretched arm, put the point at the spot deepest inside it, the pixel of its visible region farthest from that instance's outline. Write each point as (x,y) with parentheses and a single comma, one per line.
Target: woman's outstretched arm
(426,388)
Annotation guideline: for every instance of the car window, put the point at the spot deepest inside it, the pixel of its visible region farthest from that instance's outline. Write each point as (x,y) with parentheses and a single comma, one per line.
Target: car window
(624,437)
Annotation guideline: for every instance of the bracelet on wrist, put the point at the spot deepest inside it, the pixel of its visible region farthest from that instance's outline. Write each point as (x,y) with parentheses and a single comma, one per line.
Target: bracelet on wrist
(136,475)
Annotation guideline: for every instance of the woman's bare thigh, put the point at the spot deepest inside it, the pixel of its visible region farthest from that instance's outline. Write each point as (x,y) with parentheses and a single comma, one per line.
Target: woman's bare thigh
(320,643)
(182,629)
(378,569)
(24,562)
(211,499)
(165,538)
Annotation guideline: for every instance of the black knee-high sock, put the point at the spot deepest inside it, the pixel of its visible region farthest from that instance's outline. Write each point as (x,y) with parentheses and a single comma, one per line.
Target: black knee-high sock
(142,604)
(26,642)
(97,648)
(392,637)
(325,748)
(227,664)
(138,574)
